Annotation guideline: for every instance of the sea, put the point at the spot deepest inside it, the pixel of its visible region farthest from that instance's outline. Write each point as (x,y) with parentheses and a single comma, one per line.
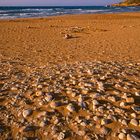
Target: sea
(45,11)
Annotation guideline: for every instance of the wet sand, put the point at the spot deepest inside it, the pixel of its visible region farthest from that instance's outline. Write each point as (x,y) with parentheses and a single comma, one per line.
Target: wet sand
(74,77)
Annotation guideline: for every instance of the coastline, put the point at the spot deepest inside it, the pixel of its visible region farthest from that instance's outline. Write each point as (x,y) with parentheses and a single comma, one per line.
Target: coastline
(73,77)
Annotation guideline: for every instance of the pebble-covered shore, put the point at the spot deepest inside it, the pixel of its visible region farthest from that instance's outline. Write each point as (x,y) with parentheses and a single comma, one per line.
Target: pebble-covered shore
(79,101)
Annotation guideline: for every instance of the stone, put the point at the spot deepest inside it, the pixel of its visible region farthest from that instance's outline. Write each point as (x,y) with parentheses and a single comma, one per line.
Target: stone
(124,122)
(112,98)
(123,104)
(104,130)
(38,93)
(61,136)
(81,133)
(30,128)
(48,97)
(134,122)
(71,107)
(132,137)
(105,121)
(27,112)
(43,123)
(67,36)
(121,136)
(133,115)
(55,104)
(136,108)
(130,100)
(95,102)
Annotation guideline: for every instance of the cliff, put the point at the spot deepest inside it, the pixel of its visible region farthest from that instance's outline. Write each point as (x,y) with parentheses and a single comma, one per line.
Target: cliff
(128,3)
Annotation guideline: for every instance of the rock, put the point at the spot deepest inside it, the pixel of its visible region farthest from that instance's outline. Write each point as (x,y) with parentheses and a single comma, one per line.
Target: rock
(55,104)
(67,36)
(95,102)
(105,121)
(71,107)
(136,108)
(132,137)
(61,136)
(124,122)
(96,118)
(30,128)
(43,123)
(121,136)
(104,130)
(100,86)
(133,115)
(95,96)
(112,98)
(83,105)
(134,122)
(123,104)
(38,93)
(85,91)
(130,100)
(137,93)
(48,97)
(81,133)
(1,129)
(27,112)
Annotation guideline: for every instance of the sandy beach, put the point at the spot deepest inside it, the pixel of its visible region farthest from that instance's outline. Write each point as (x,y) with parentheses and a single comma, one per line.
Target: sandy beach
(102,37)
(73,77)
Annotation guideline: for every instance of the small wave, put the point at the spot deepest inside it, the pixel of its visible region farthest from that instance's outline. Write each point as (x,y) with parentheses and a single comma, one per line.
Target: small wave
(21,12)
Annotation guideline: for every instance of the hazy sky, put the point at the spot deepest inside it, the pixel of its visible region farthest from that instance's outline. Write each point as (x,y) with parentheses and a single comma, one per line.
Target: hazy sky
(54,2)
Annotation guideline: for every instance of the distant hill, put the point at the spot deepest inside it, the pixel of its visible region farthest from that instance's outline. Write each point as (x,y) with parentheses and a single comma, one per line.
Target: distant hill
(128,3)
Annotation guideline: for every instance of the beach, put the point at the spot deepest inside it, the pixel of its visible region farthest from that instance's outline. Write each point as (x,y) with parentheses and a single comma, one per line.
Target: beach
(74,77)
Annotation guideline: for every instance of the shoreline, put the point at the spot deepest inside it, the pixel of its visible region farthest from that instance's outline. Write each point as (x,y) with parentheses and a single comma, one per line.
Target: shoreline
(65,15)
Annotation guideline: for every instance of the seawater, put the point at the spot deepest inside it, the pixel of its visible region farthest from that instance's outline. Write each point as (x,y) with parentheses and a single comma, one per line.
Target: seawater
(27,12)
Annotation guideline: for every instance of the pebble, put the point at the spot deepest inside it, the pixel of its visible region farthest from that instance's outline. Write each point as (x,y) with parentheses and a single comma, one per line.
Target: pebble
(105,121)
(133,115)
(121,136)
(45,97)
(38,93)
(67,36)
(95,102)
(55,104)
(132,137)
(48,98)
(112,98)
(134,122)
(123,104)
(124,122)
(71,107)
(104,130)
(61,136)
(130,100)
(27,112)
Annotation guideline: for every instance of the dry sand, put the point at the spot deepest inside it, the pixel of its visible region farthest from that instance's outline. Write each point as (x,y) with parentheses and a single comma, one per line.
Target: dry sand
(81,88)
(102,37)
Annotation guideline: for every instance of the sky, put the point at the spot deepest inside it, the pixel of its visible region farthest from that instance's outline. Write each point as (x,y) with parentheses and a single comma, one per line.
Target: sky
(56,2)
